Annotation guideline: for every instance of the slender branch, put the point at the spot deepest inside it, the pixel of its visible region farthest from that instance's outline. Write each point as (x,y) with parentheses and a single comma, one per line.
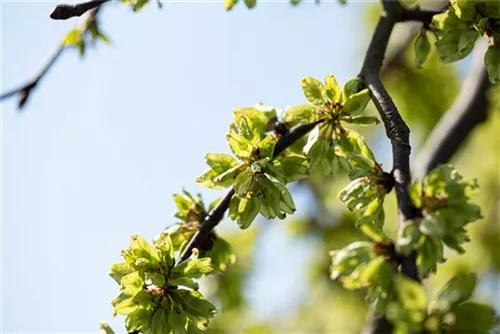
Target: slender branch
(468,111)
(215,216)
(25,90)
(64,12)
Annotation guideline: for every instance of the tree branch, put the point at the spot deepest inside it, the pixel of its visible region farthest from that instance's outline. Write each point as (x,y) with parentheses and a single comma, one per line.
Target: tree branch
(25,90)
(64,12)
(396,129)
(215,216)
(469,110)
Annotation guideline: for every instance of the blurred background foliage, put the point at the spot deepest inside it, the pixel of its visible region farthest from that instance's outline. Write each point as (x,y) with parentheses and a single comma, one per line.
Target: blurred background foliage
(422,96)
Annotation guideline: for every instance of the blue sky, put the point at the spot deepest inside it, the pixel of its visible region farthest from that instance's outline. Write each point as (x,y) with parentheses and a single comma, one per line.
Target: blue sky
(104,141)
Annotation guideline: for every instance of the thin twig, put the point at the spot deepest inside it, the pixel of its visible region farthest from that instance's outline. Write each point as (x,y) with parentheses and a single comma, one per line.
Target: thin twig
(64,11)
(215,216)
(25,90)
(469,110)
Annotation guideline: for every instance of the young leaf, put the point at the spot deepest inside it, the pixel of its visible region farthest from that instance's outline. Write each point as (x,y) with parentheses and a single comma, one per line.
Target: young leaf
(492,63)
(314,91)
(160,322)
(301,114)
(456,291)
(229,4)
(178,322)
(357,102)
(422,48)
(332,88)
(118,270)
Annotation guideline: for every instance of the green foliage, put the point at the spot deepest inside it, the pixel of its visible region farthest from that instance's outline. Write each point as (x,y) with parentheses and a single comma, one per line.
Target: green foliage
(331,147)
(451,311)
(258,178)
(159,295)
(136,5)
(79,37)
(443,199)
(422,48)
(105,329)
(151,296)
(460,27)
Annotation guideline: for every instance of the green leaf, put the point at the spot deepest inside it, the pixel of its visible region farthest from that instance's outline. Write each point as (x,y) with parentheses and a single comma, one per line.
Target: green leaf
(250,3)
(178,322)
(105,328)
(139,4)
(448,46)
(228,177)
(357,102)
(166,247)
(132,280)
(154,278)
(207,180)
(240,146)
(243,182)
(222,254)
(294,167)
(492,63)
(229,4)
(412,294)
(139,320)
(184,281)
(126,306)
(73,38)
(473,317)
(160,323)
(196,304)
(332,88)
(301,114)
(220,162)
(193,268)
(266,147)
(347,259)
(433,225)
(314,91)
(456,291)
(118,270)
(286,200)
(467,41)
(465,10)
(141,248)
(422,48)
(248,209)
(350,88)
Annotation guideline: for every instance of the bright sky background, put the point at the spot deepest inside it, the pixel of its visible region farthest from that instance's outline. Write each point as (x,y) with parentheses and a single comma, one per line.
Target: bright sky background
(104,142)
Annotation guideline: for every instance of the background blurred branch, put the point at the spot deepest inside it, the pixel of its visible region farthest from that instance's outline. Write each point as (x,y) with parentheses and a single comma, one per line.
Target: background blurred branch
(25,90)
(468,111)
